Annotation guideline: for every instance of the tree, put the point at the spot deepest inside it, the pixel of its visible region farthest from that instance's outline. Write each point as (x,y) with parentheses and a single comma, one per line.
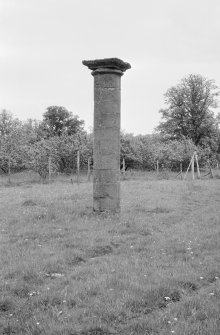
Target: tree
(11,141)
(57,120)
(37,156)
(130,151)
(31,131)
(190,110)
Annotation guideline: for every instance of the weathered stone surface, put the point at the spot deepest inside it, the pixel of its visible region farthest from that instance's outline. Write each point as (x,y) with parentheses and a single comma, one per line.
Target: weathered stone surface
(105,176)
(106,196)
(107,120)
(106,161)
(106,151)
(112,63)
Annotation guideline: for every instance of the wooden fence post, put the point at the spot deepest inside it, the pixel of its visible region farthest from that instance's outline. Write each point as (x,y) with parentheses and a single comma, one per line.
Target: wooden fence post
(157,167)
(188,167)
(192,166)
(181,170)
(9,169)
(123,168)
(197,166)
(78,165)
(89,173)
(210,169)
(49,168)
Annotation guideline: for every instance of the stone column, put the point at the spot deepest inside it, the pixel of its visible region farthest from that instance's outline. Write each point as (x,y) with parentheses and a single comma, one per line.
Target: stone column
(106,148)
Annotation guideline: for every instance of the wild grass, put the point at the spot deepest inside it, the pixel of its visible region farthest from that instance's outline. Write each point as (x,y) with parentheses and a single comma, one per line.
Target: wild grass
(153,269)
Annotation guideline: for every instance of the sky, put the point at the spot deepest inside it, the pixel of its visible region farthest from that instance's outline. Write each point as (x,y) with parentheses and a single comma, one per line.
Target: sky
(43,43)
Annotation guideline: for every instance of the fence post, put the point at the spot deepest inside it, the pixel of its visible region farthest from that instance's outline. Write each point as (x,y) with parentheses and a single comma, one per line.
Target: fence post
(197,165)
(181,170)
(49,168)
(78,165)
(123,168)
(188,167)
(157,167)
(192,166)
(9,169)
(89,173)
(210,169)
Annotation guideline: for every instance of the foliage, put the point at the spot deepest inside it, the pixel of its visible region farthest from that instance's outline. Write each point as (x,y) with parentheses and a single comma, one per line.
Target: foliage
(62,151)
(57,120)
(187,120)
(130,151)
(38,155)
(11,141)
(189,113)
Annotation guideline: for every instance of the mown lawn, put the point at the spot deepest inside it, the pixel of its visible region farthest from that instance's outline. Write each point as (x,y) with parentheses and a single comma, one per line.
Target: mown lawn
(155,269)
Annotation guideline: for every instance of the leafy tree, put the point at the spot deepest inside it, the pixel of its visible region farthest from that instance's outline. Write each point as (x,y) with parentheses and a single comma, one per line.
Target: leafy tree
(130,151)
(31,131)
(62,151)
(11,141)
(37,156)
(57,120)
(189,113)
(67,151)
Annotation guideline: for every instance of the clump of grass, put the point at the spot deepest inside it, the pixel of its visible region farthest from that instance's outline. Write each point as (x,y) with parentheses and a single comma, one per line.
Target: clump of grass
(74,260)
(188,286)
(6,305)
(29,203)
(213,275)
(153,299)
(96,331)
(141,327)
(21,290)
(32,277)
(53,266)
(50,300)
(98,251)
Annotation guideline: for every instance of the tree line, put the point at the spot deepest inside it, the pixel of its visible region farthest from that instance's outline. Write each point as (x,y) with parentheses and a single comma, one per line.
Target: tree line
(188,124)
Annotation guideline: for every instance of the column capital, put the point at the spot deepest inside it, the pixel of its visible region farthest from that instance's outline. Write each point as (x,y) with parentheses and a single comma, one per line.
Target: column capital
(104,65)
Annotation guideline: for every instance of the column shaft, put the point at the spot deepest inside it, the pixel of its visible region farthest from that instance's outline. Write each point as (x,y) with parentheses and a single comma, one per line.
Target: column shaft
(107,101)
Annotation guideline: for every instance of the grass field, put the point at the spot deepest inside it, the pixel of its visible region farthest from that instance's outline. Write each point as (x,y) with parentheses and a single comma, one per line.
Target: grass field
(155,269)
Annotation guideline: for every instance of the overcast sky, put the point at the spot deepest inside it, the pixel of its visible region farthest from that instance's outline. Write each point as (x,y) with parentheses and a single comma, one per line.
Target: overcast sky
(43,43)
